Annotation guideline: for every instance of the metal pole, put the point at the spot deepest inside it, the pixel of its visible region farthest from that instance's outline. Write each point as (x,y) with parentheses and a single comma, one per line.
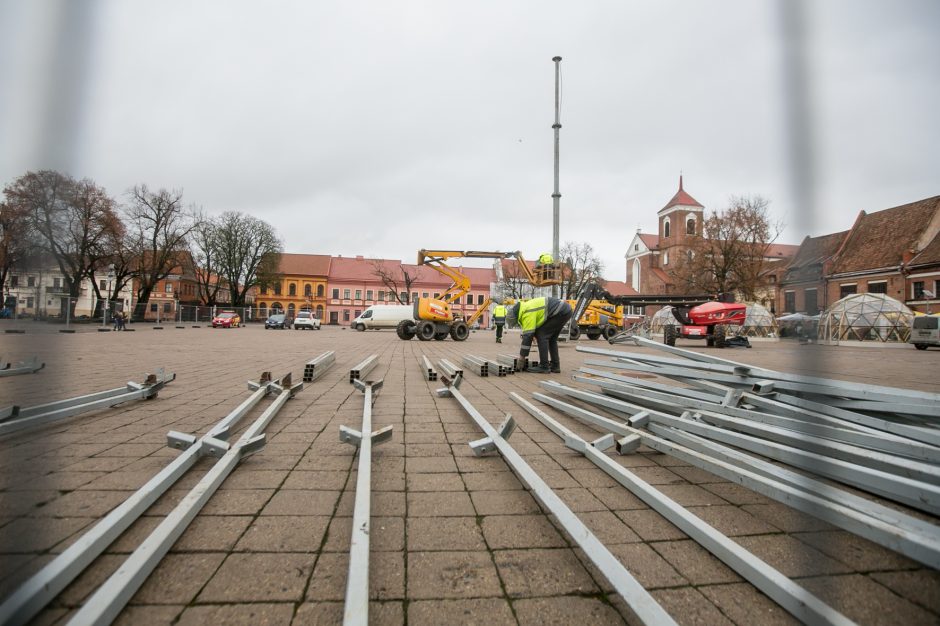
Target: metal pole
(556,195)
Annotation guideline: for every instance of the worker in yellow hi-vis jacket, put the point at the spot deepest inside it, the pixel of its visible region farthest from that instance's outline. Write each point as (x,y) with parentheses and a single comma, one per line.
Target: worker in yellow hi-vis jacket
(542,319)
(499,318)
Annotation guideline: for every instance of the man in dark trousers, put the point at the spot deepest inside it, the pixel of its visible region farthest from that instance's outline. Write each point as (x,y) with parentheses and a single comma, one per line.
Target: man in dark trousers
(499,318)
(543,319)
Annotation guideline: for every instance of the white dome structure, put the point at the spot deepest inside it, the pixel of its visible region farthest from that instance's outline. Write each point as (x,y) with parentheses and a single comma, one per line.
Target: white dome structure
(866,317)
(662,317)
(759,322)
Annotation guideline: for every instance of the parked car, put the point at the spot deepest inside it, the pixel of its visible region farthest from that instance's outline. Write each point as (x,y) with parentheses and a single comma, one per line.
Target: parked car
(306,321)
(226,319)
(383,316)
(925,331)
(278,320)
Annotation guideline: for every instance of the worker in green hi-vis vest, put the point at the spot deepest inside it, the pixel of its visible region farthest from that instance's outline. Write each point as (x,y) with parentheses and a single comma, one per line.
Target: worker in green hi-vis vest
(499,318)
(542,319)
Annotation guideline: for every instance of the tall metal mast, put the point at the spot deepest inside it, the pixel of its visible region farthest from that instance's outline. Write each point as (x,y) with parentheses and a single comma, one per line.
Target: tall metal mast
(556,196)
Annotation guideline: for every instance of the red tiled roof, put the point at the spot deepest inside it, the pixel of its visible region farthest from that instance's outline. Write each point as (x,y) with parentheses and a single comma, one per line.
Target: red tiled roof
(358,268)
(661,274)
(881,239)
(304,264)
(930,254)
(650,241)
(619,288)
(361,269)
(681,198)
(781,250)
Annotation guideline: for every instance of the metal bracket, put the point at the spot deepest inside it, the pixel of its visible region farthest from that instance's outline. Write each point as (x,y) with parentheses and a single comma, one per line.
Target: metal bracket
(361,386)
(382,435)
(507,427)
(253,445)
(763,387)
(602,443)
(178,440)
(265,381)
(628,444)
(354,438)
(482,446)
(215,447)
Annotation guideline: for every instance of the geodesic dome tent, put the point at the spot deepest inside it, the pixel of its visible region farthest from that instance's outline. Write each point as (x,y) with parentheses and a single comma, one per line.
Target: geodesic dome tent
(866,317)
(662,317)
(759,322)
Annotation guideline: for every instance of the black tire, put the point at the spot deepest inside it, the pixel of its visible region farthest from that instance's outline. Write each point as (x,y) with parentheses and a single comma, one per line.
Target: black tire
(720,336)
(669,335)
(920,346)
(610,330)
(710,342)
(425,330)
(459,331)
(360,327)
(574,333)
(441,336)
(405,330)
(593,335)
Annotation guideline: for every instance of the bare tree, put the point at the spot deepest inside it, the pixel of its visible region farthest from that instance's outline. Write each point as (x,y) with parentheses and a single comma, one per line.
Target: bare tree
(730,256)
(75,221)
(158,226)
(514,284)
(397,282)
(248,251)
(580,266)
(204,247)
(17,243)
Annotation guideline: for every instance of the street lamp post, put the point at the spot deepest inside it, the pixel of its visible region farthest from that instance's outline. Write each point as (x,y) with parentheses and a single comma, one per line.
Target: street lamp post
(107,298)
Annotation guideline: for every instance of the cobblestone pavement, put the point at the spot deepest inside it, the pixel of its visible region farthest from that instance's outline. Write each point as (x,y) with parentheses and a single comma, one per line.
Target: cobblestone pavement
(456,539)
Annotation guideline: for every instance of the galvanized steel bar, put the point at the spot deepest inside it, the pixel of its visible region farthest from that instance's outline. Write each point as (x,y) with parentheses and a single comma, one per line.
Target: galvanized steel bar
(795,599)
(27,366)
(449,369)
(475,365)
(48,582)
(427,370)
(105,605)
(916,494)
(318,366)
(35,416)
(885,526)
(363,368)
(356,611)
(637,598)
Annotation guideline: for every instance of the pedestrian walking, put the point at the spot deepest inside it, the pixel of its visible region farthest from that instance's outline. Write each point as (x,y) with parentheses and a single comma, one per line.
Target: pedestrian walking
(499,318)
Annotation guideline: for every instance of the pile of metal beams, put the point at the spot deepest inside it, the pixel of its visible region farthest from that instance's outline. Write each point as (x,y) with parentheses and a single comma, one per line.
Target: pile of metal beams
(362,369)
(427,369)
(476,365)
(316,367)
(448,369)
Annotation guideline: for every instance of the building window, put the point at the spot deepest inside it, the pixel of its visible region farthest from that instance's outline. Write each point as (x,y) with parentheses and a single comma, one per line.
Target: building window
(469,298)
(153,307)
(308,290)
(263,309)
(29,303)
(336,294)
(690,226)
(290,309)
(346,293)
(31,281)
(812,303)
(357,313)
(666,258)
(14,281)
(424,295)
(635,275)
(358,295)
(879,287)
(345,315)
(292,289)
(320,291)
(277,289)
(102,284)
(414,296)
(276,308)
(666,228)
(167,307)
(368,294)
(403,297)
(636,247)
(264,291)
(381,296)
(789,301)
(480,298)
(918,289)
(169,287)
(57,283)
(437,296)
(319,311)
(847,290)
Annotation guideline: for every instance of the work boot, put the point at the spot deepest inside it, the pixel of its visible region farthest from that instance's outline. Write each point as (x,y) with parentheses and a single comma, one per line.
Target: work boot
(539,369)
(554,368)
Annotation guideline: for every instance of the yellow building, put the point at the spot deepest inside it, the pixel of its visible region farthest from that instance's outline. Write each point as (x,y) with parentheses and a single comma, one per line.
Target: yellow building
(302,286)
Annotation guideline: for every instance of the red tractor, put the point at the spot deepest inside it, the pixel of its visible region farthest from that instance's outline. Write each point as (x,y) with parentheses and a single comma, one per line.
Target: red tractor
(708,321)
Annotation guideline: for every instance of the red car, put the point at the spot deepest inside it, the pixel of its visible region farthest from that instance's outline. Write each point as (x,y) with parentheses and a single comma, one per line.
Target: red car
(226,319)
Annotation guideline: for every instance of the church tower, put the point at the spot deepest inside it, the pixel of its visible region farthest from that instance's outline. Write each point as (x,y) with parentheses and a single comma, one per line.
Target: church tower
(679,221)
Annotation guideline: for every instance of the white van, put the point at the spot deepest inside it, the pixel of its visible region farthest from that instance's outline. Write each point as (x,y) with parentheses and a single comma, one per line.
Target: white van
(383,316)
(925,331)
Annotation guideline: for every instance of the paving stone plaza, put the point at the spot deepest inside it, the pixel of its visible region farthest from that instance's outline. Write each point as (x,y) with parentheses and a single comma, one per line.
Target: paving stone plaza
(455,538)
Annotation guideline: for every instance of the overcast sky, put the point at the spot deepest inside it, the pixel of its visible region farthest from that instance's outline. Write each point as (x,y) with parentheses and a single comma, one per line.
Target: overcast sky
(379,128)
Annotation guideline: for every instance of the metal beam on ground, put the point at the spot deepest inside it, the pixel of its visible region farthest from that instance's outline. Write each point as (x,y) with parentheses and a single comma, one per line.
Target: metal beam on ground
(449,369)
(475,364)
(103,607)
(39,415)
(318,366)
(888,527)
(27,366)
(362,369)
(48,582)
(356,611)
(643,605)
(427,369)
(795,599)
